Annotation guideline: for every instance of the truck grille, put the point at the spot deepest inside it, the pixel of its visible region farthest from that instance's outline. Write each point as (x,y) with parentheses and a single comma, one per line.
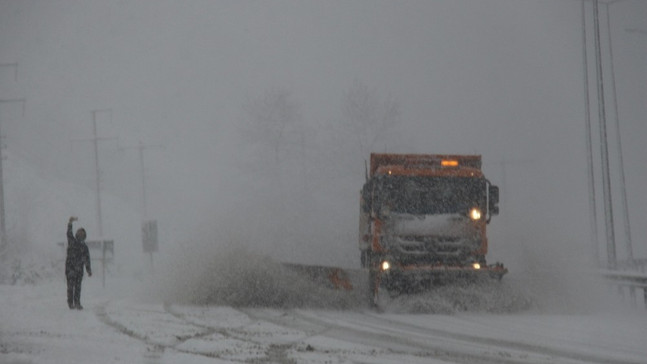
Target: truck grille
(437,245)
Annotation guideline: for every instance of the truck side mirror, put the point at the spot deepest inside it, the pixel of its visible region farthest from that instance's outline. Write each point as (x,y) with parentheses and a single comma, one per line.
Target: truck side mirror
(366,197)
(493,197)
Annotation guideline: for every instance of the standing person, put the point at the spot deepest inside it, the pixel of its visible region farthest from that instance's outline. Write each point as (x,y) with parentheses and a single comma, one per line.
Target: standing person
(78,256)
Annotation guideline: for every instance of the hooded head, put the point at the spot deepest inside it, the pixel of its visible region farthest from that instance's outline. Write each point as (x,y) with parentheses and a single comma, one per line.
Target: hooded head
(80,234)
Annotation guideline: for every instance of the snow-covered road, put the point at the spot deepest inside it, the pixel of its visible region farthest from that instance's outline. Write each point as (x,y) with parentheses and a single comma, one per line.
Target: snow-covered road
(115,327)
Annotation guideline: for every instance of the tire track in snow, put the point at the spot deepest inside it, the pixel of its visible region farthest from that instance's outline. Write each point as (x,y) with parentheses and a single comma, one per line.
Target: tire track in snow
(374,329)
(275,353)
(400,343)
(278,351)
(286,318)
(258,336)
(379,322)
(256,351)
(153,346)
(396,343)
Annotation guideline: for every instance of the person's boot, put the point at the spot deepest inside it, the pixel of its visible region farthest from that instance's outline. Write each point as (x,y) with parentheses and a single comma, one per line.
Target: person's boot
(70,299)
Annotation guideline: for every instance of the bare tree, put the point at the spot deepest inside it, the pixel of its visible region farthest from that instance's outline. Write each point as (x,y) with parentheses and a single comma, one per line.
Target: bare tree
(272,123)
(275,173)
(368,116)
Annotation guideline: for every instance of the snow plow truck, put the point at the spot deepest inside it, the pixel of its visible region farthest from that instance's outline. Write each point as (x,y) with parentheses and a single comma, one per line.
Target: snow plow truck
(423,221)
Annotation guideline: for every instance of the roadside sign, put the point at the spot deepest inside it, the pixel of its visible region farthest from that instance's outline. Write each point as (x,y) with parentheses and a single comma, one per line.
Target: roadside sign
(149,236)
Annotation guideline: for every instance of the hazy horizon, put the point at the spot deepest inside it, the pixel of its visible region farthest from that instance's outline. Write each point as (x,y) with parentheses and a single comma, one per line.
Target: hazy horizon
(196,81)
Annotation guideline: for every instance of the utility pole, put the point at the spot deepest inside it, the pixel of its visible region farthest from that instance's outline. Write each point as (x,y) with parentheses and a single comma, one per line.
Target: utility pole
(639,32)
(3,226)
(3,230)
(141,147)
(95,141)
(623,186)
(98,171)
(149,227)
(593,215)
(606,175)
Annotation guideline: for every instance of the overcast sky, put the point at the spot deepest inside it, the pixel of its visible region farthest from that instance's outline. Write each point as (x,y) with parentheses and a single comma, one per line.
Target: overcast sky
(501,78)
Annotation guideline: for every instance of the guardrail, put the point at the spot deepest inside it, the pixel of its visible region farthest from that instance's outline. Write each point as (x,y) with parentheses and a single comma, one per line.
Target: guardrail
(628,280)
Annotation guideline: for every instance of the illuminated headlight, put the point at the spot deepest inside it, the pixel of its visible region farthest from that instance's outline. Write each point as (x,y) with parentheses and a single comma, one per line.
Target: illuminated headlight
(476,266)
(475,214)
(386,265)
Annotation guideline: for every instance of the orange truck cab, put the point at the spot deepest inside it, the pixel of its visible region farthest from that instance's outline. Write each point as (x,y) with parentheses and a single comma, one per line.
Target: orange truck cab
(423,218)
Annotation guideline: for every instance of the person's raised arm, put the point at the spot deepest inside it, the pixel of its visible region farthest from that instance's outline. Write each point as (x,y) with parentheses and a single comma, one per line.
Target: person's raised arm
(70,235)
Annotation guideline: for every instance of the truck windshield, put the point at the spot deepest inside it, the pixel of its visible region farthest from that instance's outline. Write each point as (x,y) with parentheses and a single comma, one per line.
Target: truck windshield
(429,195)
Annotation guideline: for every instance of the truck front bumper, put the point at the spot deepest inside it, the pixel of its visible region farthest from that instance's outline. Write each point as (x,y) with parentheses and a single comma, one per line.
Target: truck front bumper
(413,277)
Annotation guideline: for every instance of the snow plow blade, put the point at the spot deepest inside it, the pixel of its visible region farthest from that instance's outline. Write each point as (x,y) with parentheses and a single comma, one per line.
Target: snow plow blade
(331,277)
(366,284)
(357,279)
(495,271)
(409,279)
(443,273)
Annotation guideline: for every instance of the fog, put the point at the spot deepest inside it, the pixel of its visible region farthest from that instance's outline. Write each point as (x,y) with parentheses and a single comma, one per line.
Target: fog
(257,117)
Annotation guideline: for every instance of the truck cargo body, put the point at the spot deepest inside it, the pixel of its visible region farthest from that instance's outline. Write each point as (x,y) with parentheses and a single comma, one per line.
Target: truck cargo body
(423,218)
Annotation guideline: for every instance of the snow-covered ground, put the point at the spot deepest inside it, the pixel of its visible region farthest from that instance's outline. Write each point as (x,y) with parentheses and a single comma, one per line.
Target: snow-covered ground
(122,325)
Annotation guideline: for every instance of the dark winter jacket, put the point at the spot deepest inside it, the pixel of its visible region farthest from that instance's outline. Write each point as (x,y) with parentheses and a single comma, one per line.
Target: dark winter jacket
(78,255)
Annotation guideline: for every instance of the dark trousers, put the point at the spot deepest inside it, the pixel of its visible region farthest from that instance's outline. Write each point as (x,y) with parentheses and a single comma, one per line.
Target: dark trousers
(74,290)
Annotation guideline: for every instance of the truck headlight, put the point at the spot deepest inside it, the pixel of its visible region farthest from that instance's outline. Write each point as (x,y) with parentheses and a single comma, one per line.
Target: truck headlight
(386,265)
(475,214)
